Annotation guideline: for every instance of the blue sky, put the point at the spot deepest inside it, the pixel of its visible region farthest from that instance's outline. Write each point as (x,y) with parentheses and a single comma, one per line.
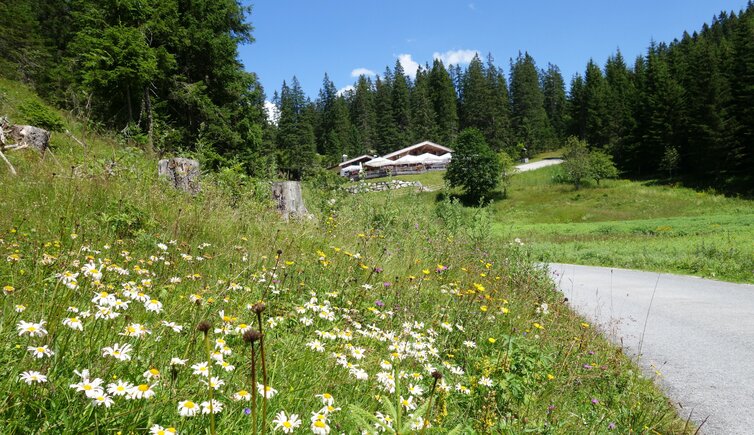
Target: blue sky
(307,38)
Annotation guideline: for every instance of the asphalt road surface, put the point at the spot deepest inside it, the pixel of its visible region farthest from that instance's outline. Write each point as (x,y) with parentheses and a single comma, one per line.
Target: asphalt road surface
(698,333)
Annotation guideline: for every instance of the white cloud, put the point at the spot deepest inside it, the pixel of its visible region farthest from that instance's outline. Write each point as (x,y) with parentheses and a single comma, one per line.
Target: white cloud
(362,72)
(342,91)
(272,111)
(455,57)
(409,65)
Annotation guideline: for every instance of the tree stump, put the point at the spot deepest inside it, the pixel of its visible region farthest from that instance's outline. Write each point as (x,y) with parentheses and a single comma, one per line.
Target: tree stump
(182,173)
(23,136)
(287,196)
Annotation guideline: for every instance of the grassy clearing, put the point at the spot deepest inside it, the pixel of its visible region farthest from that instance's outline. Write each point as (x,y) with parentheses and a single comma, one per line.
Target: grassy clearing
(621,223)
(630,224)
(364,303)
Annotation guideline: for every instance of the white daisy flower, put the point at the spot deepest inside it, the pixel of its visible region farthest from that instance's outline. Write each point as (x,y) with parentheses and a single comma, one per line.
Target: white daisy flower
(40,351)
(286,423)
(33,376)
(187,408)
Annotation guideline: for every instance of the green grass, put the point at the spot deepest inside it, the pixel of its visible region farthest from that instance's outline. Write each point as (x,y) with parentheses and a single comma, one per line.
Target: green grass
(621,223)
(630,224)
(376,273)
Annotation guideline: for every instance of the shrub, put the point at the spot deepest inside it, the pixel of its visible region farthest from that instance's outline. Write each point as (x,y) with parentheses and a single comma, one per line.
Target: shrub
(39,115)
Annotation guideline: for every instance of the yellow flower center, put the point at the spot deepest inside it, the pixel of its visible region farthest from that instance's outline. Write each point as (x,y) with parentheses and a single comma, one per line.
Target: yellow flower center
(287,424)
(154,372)
(319,423)
(189,405)
(40,349)
(87,387)
(143,387)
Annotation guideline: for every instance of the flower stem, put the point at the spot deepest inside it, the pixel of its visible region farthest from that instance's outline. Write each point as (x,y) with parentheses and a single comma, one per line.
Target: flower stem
(209,384)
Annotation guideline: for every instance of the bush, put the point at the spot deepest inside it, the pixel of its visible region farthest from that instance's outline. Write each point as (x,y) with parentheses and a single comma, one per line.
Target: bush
(39,115)
(475,167)
(581,164)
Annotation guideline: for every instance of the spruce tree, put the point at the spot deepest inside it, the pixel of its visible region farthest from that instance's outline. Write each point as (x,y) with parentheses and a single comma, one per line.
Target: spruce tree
(295,137)
(529,119)
(444,101)
(422,113)
(364,117)
(553,88)
(498,129)
(401,106)
(387,133)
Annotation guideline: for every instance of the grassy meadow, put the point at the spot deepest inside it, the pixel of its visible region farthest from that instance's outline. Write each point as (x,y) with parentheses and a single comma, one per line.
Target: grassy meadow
(619,223)
(128,307)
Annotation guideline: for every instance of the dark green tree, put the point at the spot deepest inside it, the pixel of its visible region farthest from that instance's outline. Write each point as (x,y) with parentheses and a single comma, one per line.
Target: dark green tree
(475,166)
(553,88)
(422,113)
(295,137)
(364,117)
(401,107)
(529,119)
(444,101)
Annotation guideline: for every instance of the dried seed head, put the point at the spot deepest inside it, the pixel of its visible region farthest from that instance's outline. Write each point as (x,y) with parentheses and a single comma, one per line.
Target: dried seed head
(258,307)
(203,326)
(252,335)
(437,375)
(280,251)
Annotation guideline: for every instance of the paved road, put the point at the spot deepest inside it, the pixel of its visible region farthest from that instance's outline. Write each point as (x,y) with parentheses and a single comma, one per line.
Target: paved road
(699,335)
(537,165)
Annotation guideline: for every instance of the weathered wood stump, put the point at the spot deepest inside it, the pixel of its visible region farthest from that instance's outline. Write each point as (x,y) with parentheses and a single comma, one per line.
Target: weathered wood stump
(17,137)
(287,196)
(182,173)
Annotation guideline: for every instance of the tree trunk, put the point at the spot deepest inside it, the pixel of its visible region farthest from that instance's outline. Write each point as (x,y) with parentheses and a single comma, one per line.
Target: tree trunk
(182,173)
(150,133)
(287,196)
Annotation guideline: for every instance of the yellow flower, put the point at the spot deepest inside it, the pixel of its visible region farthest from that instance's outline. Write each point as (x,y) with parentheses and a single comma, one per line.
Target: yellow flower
(584,325)
(479,287)
(550,377)
(491,340)
(483,308)
(538,326)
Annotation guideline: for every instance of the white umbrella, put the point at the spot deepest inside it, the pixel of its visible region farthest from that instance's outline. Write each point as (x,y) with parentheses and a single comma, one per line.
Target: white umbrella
(352,168)
(429,159)
(408,159)
(446,157)
(379,162)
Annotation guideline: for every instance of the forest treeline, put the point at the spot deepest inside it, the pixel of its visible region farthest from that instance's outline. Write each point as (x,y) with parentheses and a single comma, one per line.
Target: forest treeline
(167,72)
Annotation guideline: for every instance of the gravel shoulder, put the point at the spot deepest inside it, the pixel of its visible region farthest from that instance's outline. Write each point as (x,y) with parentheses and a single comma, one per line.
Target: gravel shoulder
(698,333)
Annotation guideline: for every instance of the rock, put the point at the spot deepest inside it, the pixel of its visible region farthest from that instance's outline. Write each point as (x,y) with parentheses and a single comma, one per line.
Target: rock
(182,173)
(287,196)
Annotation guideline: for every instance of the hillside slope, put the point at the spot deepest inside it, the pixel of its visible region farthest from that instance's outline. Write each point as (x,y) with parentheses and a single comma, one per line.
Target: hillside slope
(375,314)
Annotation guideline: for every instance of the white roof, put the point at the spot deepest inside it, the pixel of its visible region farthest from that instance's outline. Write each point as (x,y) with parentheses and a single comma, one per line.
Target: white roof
(379,162)
(418,145)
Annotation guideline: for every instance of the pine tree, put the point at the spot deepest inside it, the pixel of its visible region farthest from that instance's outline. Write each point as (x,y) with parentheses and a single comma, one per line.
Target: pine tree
(364,117)
(475,97)
(529,119)
(333,129)
(596,100)
(401,105)
(741,153)
(553,88)
(387,133)
(498,131)
(444,102)
(576,108)
(422,113)
(295,137)
(621,96)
